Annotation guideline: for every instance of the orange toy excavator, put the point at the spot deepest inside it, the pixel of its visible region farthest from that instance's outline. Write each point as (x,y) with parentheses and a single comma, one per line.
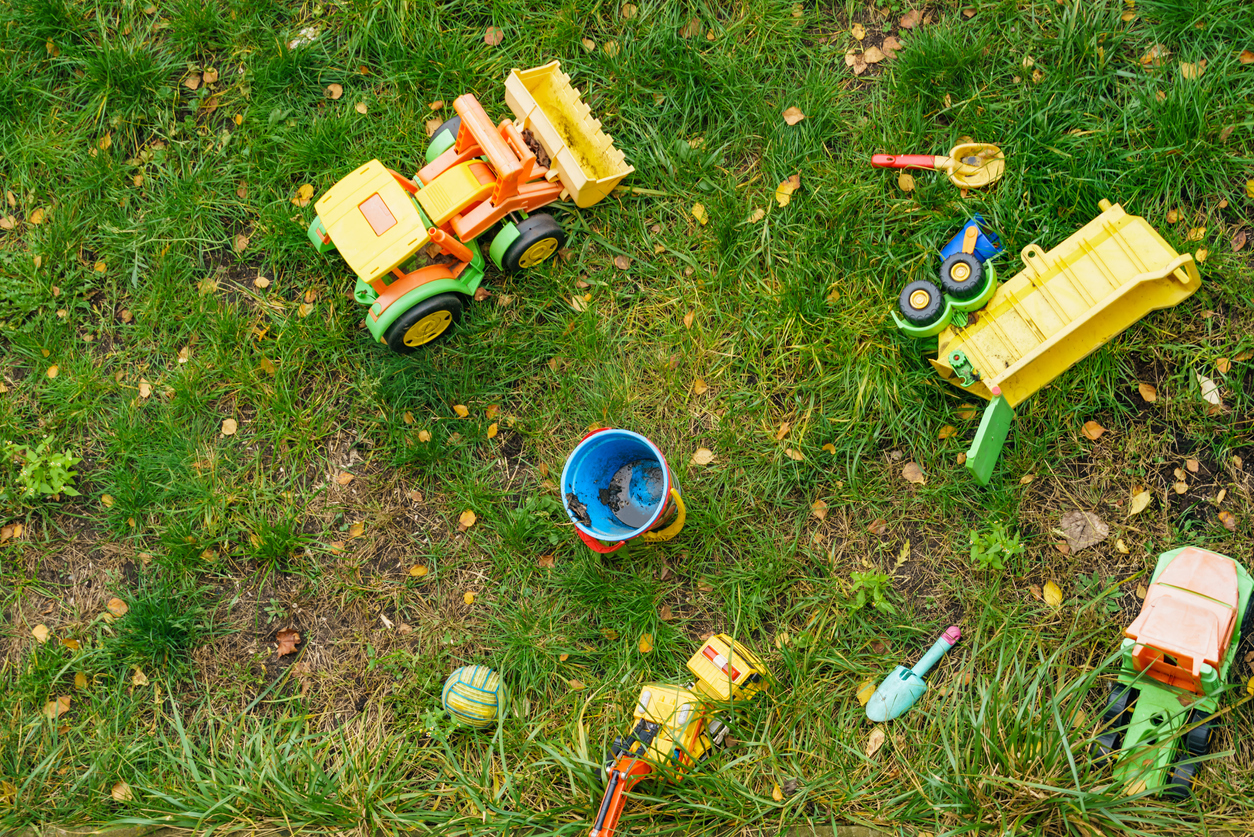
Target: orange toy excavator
(675,726)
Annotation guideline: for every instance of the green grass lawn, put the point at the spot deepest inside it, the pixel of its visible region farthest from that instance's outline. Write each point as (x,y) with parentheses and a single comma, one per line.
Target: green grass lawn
(156,281)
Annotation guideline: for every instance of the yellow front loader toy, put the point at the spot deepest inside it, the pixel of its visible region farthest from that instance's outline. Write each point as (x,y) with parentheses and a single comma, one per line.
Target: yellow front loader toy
(675,726)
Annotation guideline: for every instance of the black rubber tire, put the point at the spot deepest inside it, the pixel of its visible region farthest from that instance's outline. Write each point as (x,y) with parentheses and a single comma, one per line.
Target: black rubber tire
(962,288)
(928,314)
(395,335)
(1180,781)
(1105,747)
(536,229)
(451,125)
(1121,700)
(1197,740)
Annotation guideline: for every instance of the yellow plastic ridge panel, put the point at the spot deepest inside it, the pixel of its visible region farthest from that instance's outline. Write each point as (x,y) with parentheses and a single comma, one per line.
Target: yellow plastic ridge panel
(1063,305)
(372,220)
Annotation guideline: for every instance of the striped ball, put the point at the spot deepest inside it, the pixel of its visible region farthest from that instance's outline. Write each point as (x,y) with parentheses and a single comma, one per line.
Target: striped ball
(472,695)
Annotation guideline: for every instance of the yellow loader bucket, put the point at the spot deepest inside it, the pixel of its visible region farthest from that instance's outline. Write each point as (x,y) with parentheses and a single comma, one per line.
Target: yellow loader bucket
(580,153)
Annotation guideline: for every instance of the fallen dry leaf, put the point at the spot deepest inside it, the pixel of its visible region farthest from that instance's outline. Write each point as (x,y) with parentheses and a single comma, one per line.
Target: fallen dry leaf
(461,410)
(54,371)
(576,684)
(1228,520)
(913,473)
(947,431)
(468,597)
(466,519)
(793,115)
(905,181)
(1223,365)
(121,792)
(699,387)
(362,108)
(1148,392)
(878,526)
(1238,241)
(785,190)
(874,742)
(1155,56)
(424,435)
(855,62)
(703,456)
(911,19)
(664,612)
(138,678)
(493,429)
(873,55)
(628,11)
(40,632)
(1192,464)
(1083,529)
(229,426)
(1139,502)
(418,570)
(344,478)
(588,44)
(794,455)
(622,262)
(698,212)
(646,643)
(688,318)
(1093,431)
(1052,594)
(1035,591)
(865,691)
(1193,71)
(819,509)
(357,530)
(783,431)
(58,707)
(303,195)
(117,608)
(610,48)
(1210,390)
(287,639)
(546,561)
(858,31)
(1196,234)
(80,681)
(192,82)
(690,29)
(891,47)
(493,35)
(830,448)
(333,91)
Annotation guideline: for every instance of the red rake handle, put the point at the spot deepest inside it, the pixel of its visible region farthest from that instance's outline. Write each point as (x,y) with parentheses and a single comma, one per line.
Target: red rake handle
(595,545)
(903,161)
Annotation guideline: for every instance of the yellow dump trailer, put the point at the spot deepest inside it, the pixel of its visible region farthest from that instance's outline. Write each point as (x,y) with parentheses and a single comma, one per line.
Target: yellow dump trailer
(1061,307)
(580,153)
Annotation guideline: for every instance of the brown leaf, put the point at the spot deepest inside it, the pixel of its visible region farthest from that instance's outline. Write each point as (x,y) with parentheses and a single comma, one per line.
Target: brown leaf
(1035,590)
(1083,529)
(1093,430)
(878,527)
(461,410)
(466,519)
(622,262)
(628,11)
(785,190)
(690,29)
(911,19)
(1155,56)
(288,640)
(356,530)
(117,607)
(1148,392)
(703,456)
(493,35)
(891,47)
(40,633)
(875,741)
(121,792)
(80,681)
(1238,241)
(333,91)
(646,643)
(344,478)
(1228,520)
(947,431)
(1193,71)
(432,125)
(418,570)
(362,108)
(819,509)
(793,115)
(192,82)
(1192,464)
(424,435)
(546,561)
(913,473)
(794,455)
(905,181)
(855,62)
(229,426)
(873,55)
(58,707)
(664,613)
(1246,57)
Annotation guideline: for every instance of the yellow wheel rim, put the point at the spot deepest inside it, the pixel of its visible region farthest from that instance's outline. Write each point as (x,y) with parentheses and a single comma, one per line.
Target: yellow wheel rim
(920,299)
(538,252)
(959,272)
(427,329)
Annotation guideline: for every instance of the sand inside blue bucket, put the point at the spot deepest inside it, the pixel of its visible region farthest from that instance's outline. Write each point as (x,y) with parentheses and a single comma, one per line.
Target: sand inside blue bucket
(634,492)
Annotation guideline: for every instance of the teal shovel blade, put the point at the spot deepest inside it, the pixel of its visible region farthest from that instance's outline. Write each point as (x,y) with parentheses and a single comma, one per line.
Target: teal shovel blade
(895,695)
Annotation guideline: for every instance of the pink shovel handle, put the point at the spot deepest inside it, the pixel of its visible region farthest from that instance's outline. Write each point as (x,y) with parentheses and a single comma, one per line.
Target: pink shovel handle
(903,161)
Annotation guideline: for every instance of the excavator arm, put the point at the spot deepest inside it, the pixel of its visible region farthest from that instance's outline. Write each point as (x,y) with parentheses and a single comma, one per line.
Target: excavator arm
(626,772)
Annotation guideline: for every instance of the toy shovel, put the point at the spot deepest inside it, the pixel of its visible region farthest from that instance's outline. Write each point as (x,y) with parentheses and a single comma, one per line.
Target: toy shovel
(904,686)
(969,165)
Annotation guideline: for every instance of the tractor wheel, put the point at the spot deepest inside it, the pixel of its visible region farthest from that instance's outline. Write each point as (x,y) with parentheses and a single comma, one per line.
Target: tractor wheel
(1105,747)
(539,237)
(1197,741)
(1180,781)
(451,126)
(962,276)
(921,303)
(428,321)
(1121,700)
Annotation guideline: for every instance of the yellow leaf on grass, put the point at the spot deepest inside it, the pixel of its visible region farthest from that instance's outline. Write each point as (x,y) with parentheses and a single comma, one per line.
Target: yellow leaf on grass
(1228,520)
(830,448)
(1052,594)
(698,212)
(1093,431)
(865,691)
(1139,502)
(303,194)
(793,115)
(858,31)
(575,684)
(58,707)
(646,643)
(117,607)
(468,597)
(875,741)
(1148,392)
(688,318)
(588,44)
(794,455)
(699,387)
(80,681)
(913,473)
(362,108)
(947,431)
(121,792)
(229,426)
(783,430)
(777,793)
(628,11)
(139,678)
(54,371)
(461,410)
(819,509)
(333,91)
(37,217)
(491,411)
(703,456)
(418,570)
(40,632)
(905,182)
(785,190)
(424,435)
(344,478)
(1121,547)
(467,518)
(107,500)
(493,428)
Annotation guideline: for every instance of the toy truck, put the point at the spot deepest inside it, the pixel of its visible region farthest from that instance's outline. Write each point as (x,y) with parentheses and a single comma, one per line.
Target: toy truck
(1003,343)
(1175,660)
(675,727)
(415,243)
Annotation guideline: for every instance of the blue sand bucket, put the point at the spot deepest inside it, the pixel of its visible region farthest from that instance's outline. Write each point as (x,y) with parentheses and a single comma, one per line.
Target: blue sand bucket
(616,486)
